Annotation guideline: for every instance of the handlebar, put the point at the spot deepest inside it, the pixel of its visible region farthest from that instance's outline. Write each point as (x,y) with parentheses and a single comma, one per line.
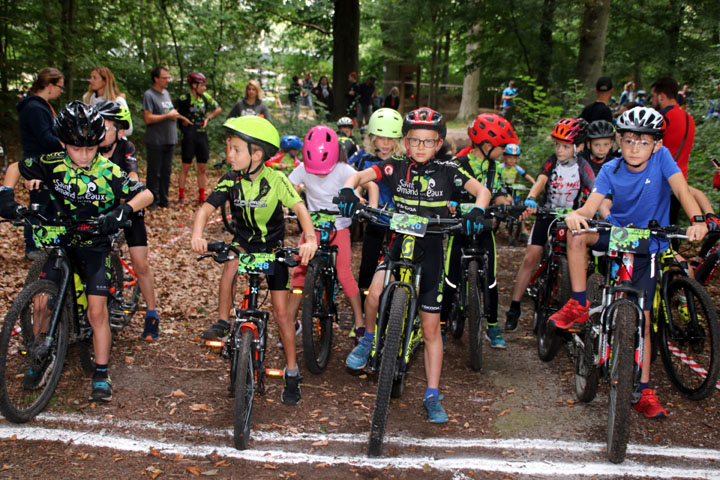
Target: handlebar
(670,231)
(222,252)
(89,225)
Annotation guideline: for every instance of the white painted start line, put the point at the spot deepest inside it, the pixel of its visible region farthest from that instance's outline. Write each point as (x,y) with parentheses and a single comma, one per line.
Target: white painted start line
(629,468)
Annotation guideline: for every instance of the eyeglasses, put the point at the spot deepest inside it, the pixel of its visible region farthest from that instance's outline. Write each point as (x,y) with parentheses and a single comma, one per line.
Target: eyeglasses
(629,143)
(61,87)
(428,142)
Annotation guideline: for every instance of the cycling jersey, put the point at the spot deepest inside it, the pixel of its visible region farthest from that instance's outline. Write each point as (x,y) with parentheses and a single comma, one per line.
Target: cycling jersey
(256,206)
(194,109)
(486,172)
(124,156)
(347,144)
(509,175)
(594,163)
(566,182)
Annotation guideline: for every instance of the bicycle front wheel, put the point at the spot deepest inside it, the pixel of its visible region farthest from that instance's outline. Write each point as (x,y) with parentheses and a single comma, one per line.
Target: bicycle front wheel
(689,339)
(317,317)
(475,316)
(29,371)
(390,349)
(244,390)
(621,367)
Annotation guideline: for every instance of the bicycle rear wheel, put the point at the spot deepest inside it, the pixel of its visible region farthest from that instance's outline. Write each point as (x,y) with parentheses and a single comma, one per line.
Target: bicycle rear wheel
(621,367)
(689,339)
(475,316)
(586,373)
(390,349)
(244,390)
(29,372)
(317,317)
(549,298)
(227,221)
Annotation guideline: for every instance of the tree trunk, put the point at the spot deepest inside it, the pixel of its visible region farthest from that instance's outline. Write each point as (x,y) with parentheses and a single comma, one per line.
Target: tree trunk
(346,35)
(471,83)
(592,44)
(673,33)
(446,58)
(544,58)
(4,47)
(68,41)
(178,57)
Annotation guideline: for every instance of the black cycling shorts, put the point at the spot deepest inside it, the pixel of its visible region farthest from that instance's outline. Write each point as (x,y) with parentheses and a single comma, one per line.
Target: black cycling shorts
(195,144)
(136,235)
(429,251)
(539,233)
(280,280)
(91,263)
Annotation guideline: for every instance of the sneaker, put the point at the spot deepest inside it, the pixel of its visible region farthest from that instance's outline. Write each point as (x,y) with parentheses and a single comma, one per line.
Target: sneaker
(151,332)
(101,390)
(358,358)
(216,331)
(649,405)
(570,314)
(435,411)
(511,320)
(181,201)
(494,336)
(291,393)
(35,377)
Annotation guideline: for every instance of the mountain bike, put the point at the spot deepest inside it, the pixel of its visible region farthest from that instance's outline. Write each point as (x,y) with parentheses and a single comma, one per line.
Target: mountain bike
(43,320)
(511,223)
(319,310)
(247,340)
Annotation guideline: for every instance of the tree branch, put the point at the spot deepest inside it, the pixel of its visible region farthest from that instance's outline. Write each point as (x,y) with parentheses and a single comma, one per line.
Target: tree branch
(298,22)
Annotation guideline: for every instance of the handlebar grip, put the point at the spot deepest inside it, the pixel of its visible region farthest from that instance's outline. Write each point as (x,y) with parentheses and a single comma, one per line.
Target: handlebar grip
(215,246)
(336,200)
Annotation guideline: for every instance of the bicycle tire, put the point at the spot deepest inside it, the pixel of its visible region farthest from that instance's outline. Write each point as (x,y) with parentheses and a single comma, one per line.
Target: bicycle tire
(227,221)
(548,343)
(587,375)
(317,317)
(36,268)
(696,341)
(475,316)
(390,349)
(621,385)
(457,320)
(244,391)
(16,404)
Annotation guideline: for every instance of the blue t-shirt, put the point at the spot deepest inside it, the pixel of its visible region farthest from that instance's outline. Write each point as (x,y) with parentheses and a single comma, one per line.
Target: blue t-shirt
(639,197)
(509,91)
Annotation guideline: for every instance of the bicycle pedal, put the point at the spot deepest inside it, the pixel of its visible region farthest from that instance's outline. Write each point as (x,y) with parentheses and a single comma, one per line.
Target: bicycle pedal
(346,320)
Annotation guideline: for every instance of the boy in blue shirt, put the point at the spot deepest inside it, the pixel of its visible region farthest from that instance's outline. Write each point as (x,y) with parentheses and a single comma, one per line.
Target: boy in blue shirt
(642,180)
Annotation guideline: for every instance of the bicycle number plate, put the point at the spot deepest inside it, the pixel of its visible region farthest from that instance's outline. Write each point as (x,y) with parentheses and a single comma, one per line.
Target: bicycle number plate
(322,221)
(257,263)
(409,224)
(630,240)
(49,235)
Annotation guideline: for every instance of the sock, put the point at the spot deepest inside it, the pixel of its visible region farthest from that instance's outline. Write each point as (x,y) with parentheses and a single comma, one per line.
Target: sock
(201,194)
(429,392)
(181,192)
(643,386)
(514,306)
(292,372)
(369,335)
(151,314)
(581,297)
(101,373)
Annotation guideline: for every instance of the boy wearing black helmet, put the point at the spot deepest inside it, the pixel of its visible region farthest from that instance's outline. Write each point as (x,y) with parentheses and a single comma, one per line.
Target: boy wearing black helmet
(642,181)
(599,144)
(83,185)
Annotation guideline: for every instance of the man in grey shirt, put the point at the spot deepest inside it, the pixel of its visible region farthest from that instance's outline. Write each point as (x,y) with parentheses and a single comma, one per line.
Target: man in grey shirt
(160,136)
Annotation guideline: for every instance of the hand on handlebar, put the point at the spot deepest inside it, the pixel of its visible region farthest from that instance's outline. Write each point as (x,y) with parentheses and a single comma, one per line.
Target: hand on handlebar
(198,245)
(696,232)
(8,205)
(348,202)
(472,221)
(111,222)
(576,222)
(307,250)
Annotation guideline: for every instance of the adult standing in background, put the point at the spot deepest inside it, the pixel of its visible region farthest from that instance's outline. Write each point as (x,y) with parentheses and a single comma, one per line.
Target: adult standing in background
(628,93)
(251,103)
(351,95)
(307,88)
(366,95)
(392,100)
(599,110)
(160,136)
(508,99)
(103,87)
(324,93)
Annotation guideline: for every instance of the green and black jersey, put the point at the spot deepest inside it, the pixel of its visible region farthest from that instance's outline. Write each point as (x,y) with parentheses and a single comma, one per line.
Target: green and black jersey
(486,172)
(256,206)
(195,109)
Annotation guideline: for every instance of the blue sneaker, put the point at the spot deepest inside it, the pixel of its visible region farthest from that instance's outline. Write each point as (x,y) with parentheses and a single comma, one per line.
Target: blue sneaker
(101,390)
(358,358)
(435,411)
(494,336)
(151,332)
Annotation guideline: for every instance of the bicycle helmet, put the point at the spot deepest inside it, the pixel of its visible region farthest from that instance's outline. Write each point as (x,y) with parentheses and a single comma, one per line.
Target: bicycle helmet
(492,128)
(512,149)
(255,130)
(291,141)
(80,125)
(424,118)
(642,120)
(600,129)
(386,122)
(197,77)
(116,112)
(569,130)
(320,150)
(345,122)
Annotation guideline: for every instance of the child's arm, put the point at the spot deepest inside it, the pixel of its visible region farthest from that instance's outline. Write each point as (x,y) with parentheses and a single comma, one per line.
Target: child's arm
(702,200)
(360,178)
(577,219)
(373,193)
(604,210)
(307,249)
(141,200)
(529,178)
(680,188)
(479,191)
(198,243)
(535,190)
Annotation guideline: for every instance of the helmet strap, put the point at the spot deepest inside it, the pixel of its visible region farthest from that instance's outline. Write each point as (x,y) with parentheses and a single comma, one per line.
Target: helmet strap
(247,173)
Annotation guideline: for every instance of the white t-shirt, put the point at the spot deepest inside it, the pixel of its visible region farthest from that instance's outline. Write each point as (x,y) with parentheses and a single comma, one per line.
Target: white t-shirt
(320,191)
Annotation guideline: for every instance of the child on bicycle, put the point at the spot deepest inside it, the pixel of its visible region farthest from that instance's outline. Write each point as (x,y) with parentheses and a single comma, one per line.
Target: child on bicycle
(121,152)
(421,185)
(509,171)
(323,176)
(84,185)
(287,158)
(642,180)
(599,144)
(564,177)
(257,196)
(490,135)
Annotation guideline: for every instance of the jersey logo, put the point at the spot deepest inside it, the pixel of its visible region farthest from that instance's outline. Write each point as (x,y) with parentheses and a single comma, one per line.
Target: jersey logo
(388,170)
(647,180)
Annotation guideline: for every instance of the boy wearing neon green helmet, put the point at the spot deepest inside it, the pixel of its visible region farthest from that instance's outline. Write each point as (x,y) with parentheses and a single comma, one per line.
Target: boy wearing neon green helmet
(257,196)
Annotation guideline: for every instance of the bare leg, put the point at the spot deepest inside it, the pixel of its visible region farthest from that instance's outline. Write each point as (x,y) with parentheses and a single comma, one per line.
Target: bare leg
(98,316)
(530,262)
(433,348)
(145,278)
(286,326)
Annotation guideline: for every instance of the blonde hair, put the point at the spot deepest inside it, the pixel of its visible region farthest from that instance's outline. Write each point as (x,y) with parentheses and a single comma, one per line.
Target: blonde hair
(45,77)
(111,89)
(255,84)
(369,145)
(394,91)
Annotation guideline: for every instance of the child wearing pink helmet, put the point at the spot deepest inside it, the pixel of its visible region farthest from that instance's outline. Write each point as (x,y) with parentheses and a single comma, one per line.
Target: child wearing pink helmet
(323,175)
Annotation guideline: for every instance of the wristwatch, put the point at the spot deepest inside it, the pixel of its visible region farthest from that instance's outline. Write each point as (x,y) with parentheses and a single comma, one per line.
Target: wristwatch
(698,219)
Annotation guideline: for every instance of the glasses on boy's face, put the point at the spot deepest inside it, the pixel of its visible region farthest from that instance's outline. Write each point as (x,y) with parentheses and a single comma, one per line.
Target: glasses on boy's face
(428,142)
(629,143)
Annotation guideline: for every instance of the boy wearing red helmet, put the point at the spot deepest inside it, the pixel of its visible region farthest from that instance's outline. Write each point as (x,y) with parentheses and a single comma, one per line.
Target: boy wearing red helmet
(421,185)
(564,177)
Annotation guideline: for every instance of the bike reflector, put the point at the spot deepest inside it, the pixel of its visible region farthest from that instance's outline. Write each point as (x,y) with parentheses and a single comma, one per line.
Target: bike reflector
(214,343)
(273,372)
